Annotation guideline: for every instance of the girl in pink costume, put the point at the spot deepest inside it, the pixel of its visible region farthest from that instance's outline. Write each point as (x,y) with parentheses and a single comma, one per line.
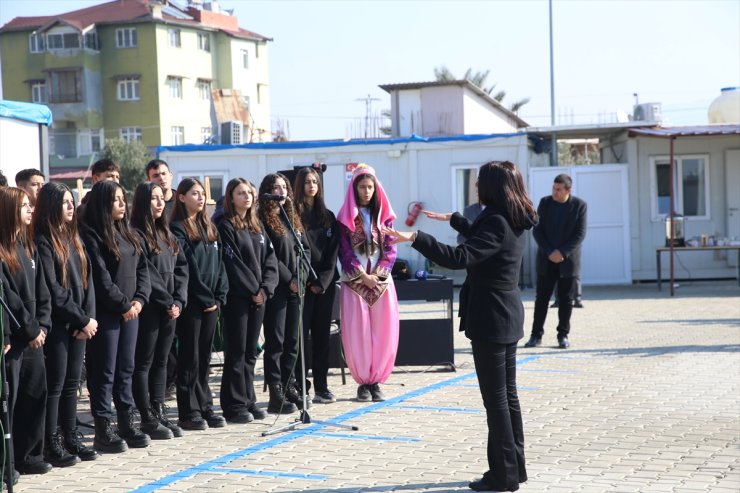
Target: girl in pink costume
(369,306)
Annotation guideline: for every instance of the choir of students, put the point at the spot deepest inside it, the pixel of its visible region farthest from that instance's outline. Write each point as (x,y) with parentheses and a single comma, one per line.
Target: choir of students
(91,286)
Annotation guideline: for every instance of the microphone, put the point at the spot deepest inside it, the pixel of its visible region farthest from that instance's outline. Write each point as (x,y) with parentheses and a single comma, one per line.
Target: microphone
(274,196)
(423,275)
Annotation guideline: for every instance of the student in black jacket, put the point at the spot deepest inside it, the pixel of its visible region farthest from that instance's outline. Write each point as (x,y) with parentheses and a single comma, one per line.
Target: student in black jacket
(207,288)
(323,236)
(283,309)
(168,273)
(27,296)
(252,269)
(69,276)
(121,279)
(491,310)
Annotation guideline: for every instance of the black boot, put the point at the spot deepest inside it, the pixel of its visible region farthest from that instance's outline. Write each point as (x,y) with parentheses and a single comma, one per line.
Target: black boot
(276,405)
(295,395)
(106,440)
(160,410)
(128,430)
(151,426)
(55,453)
(73,443)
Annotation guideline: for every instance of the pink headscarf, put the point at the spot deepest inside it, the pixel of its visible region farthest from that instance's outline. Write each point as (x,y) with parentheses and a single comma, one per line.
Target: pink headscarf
(349,210)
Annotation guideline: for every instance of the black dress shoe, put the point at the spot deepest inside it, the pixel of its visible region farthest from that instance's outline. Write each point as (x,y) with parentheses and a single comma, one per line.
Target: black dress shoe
(481,485)
(38,467)
(533,341)
(240,417)
(563,342)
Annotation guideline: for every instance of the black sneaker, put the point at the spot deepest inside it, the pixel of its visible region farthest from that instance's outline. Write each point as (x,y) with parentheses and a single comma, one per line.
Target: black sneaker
(376,393)
(214,420)
(73,444)
(363,393)
(324,397)
(55,453)
(257,412)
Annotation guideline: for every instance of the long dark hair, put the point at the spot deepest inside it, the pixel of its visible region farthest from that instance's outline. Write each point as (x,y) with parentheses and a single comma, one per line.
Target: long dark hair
(373,206)
(11,199)
(99,217)
(318,210)
(48,221)
(250,221)
(269,210)
(143,220)
(200,222)
(500,184)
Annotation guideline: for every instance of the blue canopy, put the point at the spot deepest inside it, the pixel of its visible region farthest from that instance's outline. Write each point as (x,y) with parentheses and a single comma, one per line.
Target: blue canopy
(28,112)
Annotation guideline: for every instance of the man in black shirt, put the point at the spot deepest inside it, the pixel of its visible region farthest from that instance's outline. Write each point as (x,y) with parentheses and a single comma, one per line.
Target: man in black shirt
(559,235)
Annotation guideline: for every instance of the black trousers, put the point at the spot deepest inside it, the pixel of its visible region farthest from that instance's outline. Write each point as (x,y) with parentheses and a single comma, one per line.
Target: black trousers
(242,325)
(110,364)
(27,402)
(317,315)
(495,365)
(195,331)
(545,284)
(156,331)
(281,335)
(65,356)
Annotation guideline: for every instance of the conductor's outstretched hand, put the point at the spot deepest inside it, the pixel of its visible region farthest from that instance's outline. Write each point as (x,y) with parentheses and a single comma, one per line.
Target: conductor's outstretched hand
(439,216)
(398,236)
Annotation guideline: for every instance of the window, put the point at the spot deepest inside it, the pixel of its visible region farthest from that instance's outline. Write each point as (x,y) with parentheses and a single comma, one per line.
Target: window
(204,42)
(38,92)
(465,193)
(66,86)
(62,41)
(89,141)
(178,136)
(690,186)
(36,43)
(63,141)
(204,89)
(173,38)
(245,59)
(128,89)
(91,41)
(130,134)
(175,84)
(126,37)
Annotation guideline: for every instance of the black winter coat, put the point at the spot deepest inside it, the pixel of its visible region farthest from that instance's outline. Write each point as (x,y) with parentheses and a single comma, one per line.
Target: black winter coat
(571,230)
(490,302)
(324,243)
(71,307)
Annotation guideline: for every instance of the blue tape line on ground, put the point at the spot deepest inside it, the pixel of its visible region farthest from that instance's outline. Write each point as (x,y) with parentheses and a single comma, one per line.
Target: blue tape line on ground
(441,409)
(365,437)
(294,435)
(271,474)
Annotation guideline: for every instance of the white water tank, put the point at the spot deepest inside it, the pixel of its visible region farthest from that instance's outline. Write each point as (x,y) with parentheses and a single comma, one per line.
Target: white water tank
(726,107)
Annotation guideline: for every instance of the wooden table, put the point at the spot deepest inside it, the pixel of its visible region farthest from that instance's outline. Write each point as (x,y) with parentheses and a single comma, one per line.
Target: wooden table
(660,250)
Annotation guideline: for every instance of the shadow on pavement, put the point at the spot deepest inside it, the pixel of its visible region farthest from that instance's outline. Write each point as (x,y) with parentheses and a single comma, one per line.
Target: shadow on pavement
(637,351)
(438,487)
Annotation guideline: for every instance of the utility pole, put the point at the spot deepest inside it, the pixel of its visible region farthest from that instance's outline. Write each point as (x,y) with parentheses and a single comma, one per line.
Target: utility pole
(368,105)
(554,149)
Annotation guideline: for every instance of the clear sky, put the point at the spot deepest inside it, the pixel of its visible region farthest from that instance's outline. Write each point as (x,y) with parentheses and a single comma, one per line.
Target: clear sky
(329,55)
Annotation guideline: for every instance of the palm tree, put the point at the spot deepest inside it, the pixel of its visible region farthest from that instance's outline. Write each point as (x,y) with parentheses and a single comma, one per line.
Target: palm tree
(443,74)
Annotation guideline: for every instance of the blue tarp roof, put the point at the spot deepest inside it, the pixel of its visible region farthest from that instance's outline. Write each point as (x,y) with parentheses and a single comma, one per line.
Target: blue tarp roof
(28,112)
(330,143)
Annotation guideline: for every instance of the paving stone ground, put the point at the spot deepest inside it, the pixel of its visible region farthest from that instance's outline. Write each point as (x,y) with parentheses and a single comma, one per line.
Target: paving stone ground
(646,399)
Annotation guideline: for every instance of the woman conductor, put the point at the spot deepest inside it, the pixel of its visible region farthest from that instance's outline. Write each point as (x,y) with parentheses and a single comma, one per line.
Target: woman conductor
(491,311)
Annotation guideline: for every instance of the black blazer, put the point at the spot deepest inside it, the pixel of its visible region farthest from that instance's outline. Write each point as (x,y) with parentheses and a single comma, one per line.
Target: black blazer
(572,233)
(490,302)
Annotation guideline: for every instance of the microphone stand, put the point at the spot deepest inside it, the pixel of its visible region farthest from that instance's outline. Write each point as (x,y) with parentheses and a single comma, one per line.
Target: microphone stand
(7,435)
(304,418)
